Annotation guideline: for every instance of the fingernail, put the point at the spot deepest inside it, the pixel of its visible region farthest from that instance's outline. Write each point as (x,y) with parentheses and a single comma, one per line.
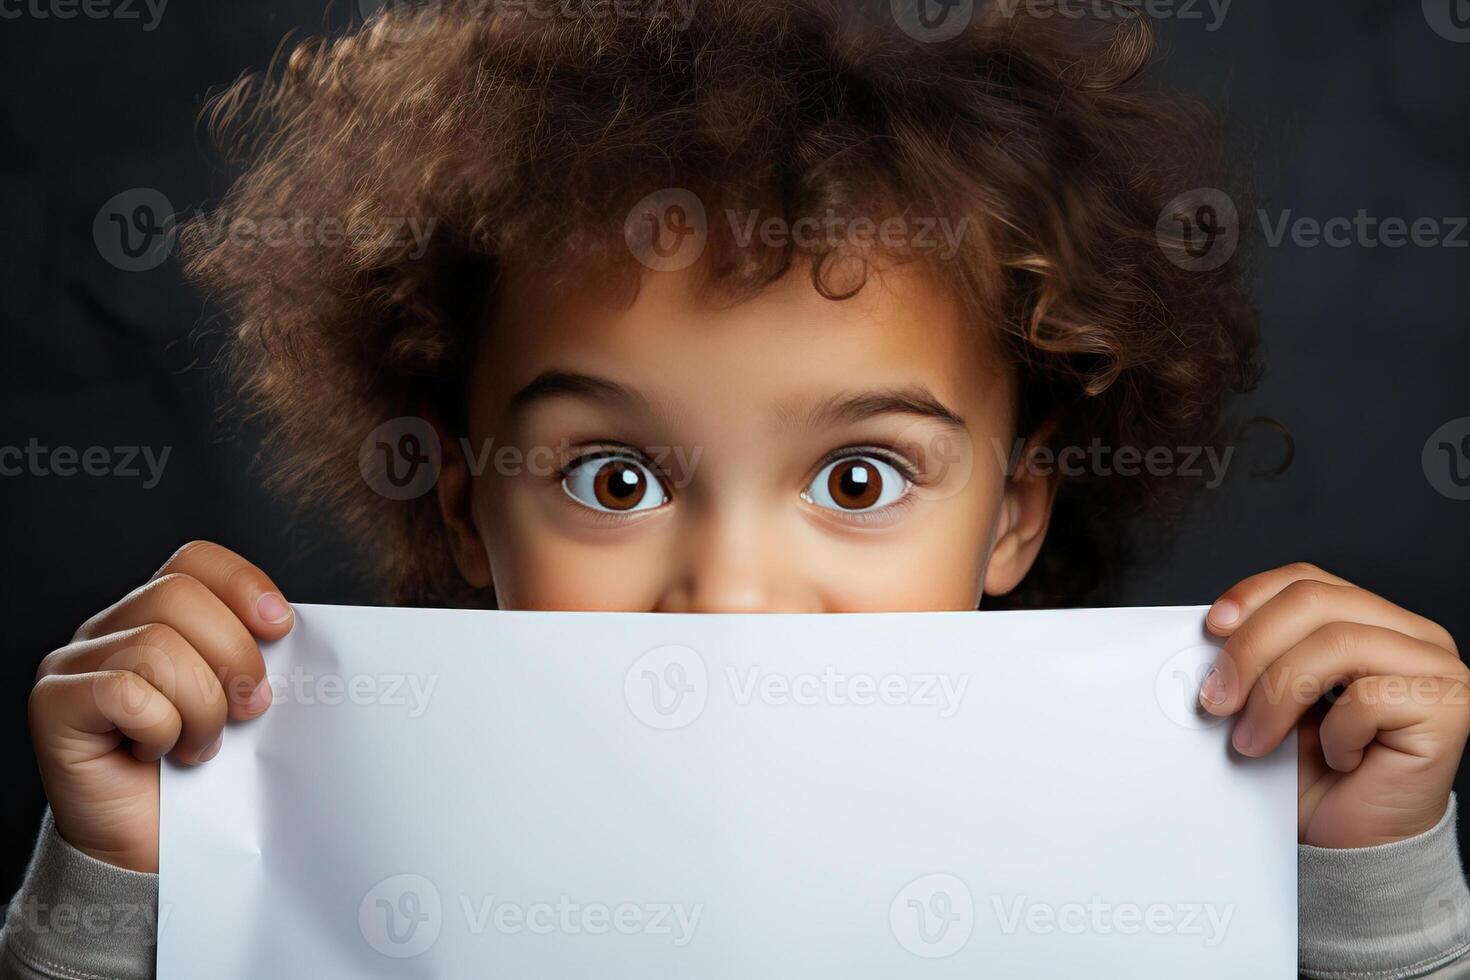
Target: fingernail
(1212,691)
(1242,736)
(1224,612)
(272,608)
(259,699)
(211,750)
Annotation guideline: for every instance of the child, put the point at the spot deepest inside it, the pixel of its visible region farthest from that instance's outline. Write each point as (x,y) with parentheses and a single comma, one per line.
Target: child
(739,307)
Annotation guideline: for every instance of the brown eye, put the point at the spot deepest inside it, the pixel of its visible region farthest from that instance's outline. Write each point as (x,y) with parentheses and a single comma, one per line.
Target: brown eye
(619,486)
(857,483)
(854,484)
(615,484)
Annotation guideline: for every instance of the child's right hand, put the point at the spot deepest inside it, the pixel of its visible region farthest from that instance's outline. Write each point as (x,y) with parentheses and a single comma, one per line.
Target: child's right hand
(157,673)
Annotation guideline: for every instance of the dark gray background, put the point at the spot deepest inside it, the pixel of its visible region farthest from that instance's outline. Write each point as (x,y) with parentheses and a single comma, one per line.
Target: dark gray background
(1330,108)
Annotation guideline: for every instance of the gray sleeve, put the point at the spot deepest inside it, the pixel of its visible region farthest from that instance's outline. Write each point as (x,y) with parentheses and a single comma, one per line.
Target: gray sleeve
(1388,912)
(78,918)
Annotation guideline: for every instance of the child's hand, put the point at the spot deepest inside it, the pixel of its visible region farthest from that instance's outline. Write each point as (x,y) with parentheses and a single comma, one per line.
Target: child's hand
(156,674)
(1377,766)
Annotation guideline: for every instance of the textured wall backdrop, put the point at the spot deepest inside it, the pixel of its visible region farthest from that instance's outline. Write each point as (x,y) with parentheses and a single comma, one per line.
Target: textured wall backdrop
(1332,109)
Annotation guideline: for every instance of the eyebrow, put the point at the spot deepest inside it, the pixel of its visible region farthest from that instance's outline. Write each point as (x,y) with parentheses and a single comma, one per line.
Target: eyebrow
(554,384)
(846,409)
(860,406)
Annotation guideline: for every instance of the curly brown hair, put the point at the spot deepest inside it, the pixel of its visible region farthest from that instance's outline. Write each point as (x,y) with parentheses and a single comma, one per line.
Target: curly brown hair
(528,139)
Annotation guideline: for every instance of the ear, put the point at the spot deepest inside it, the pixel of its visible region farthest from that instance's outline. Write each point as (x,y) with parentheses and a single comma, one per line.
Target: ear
(457,509)
(1025,513)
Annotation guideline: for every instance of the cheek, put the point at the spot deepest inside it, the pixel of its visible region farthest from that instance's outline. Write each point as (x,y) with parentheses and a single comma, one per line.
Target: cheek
(567,578)
(933,561)
(535,565)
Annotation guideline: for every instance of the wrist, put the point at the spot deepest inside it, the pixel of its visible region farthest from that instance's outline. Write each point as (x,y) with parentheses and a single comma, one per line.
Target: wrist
(1385,827)
(1396,909)
(139,857)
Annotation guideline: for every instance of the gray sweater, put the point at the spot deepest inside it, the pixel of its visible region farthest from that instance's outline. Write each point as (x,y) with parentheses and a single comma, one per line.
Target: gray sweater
(1368,913)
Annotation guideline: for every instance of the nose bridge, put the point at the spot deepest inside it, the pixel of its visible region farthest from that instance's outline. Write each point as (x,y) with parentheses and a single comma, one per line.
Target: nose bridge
(733,559)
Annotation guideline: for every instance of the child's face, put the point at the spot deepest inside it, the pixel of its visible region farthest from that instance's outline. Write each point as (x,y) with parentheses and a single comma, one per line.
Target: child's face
(788,453)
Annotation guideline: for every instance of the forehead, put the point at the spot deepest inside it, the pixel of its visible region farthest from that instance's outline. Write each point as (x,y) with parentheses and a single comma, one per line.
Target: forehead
(688,351)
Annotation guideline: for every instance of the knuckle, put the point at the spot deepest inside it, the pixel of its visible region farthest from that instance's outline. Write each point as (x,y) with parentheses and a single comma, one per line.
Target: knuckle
(1343,639)
(1302,569)
(53,663)
(91,627)
(1442,637)
(129,699)
(175,589)
(43,706)
(1307,592)
(161,637)
(122,685)
(43,693)
(188,554)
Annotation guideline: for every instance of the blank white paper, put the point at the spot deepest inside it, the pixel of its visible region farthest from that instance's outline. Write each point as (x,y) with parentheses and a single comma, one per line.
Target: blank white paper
(439,793)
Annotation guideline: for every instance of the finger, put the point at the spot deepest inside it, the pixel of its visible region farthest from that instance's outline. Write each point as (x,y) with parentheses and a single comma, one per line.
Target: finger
(1400,712)
(1242,599)
(1299,609)
(1335,655)
(164,659)
(245,589)
(189,607)
(88,715)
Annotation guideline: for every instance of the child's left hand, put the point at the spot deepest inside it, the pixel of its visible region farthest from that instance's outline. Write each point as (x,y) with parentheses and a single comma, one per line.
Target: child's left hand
(1377,763)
